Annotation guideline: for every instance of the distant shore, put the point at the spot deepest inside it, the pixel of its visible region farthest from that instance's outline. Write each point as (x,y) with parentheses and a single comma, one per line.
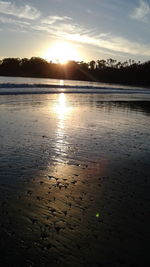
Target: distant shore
(135,74)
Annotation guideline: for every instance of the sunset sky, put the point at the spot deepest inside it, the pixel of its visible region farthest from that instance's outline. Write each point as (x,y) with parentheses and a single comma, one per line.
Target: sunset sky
(92,29)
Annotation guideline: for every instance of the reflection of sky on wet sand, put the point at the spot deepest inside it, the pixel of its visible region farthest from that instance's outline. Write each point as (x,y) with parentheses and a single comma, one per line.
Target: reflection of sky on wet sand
(70,158)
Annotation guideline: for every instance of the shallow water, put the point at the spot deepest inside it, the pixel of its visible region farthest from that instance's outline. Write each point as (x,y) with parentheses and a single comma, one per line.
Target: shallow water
(19,85)
(74,180)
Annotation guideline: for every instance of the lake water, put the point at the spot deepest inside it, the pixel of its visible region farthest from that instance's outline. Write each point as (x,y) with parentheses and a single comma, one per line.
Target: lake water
(74,174)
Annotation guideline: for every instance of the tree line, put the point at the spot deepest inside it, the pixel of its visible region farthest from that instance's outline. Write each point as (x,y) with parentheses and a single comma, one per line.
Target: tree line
(110,70)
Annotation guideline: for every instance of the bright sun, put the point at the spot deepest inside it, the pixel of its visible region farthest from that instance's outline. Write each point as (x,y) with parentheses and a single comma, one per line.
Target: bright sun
(61,52)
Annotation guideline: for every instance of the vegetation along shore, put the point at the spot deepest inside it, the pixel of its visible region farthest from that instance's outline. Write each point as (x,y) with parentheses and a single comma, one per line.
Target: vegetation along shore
(110,70)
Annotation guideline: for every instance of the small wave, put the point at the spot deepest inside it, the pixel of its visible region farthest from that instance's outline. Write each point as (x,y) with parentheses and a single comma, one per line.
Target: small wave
(59,86)
(28,85)
(39,88)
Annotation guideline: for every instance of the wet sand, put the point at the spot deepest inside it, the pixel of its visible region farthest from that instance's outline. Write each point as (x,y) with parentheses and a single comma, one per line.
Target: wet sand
(74,181)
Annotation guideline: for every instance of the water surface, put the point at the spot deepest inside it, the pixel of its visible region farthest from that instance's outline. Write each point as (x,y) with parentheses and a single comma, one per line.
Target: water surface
(74,180)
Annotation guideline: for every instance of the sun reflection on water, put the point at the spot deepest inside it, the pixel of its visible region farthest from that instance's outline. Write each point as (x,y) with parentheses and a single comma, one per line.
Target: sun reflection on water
(61,82)
(62,109)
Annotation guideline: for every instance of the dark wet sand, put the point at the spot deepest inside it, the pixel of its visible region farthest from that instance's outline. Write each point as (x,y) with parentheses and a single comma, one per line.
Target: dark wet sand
(74,182)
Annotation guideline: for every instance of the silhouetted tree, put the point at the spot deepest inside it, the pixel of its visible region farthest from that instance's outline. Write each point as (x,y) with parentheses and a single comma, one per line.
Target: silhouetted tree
(101,64)
(92,64)
(10,65)
(109,70)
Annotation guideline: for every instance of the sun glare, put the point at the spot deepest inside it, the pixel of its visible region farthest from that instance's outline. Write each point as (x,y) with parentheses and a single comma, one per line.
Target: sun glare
(62,107)
(61,52)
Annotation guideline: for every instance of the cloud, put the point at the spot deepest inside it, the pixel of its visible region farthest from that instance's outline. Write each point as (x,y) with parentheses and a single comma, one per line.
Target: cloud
(7,20)
(53,19)
(106,41)
(113,43)
(63,27)
(141,12)
(24,11)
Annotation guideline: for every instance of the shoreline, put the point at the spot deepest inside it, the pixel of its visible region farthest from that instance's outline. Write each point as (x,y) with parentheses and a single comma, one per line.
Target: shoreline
(146,86)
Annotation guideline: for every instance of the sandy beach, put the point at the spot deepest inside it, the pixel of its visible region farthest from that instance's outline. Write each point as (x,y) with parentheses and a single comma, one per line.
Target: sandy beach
(75,133)
(74,181)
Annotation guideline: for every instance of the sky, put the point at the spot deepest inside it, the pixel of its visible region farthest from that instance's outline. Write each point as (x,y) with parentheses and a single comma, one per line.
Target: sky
(96,29)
